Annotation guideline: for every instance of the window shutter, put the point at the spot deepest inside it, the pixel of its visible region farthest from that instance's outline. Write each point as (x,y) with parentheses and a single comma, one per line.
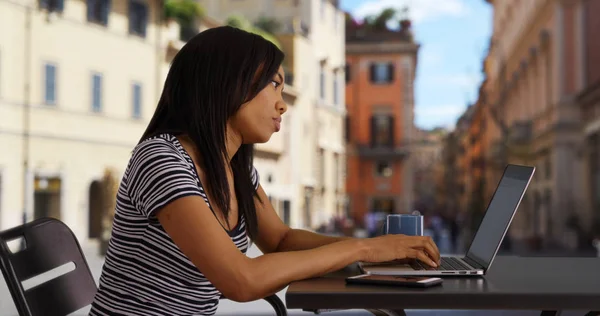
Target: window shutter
(131,15)
(391,130)
(373,130)
(105,11)
(90,9)
(391,70)
(60,5)
(348,74)
(347,127)
(144,18)
(372,72)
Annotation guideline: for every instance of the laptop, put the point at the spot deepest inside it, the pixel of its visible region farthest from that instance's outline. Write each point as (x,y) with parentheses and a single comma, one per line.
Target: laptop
(484,246)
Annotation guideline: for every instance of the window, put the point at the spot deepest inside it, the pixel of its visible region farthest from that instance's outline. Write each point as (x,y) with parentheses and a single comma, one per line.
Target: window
(385,205)
(1,192)
(137,100)
(383,169)
(321,166)
(382,130)
(53,5)
(1,75)
(348,72)
(347,127)
(548,166)
(98,10)
(286,211)
(138,17)
(336,93)
(50,84)
(96,92)
(382,72)
(336,172)
(322,83)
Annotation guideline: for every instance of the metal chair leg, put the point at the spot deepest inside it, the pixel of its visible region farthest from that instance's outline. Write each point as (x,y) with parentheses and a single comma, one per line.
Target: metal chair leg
(277,304)
(387,312)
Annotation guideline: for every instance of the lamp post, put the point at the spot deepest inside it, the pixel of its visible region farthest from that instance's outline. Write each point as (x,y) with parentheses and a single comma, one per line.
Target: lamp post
(26,115)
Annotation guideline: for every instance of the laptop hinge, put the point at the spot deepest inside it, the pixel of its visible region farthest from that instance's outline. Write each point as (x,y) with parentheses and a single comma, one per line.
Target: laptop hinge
(473,263)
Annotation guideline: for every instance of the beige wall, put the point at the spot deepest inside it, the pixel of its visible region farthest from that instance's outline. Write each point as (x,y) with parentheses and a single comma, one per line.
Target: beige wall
(68,139)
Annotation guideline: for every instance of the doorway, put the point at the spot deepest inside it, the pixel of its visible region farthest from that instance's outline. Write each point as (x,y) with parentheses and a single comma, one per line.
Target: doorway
(383,205)
(47,197)
(95,210)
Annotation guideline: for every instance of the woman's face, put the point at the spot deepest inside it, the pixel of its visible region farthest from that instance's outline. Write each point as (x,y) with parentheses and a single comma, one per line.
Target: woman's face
(259,118)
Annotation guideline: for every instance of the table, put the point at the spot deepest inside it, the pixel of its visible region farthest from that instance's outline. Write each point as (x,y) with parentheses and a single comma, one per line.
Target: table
(549,285)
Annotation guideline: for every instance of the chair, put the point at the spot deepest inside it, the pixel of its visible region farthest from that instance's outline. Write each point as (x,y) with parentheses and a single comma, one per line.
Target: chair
(50,244)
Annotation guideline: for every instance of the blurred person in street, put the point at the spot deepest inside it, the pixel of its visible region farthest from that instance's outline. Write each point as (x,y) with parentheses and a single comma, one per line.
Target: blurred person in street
(190,199)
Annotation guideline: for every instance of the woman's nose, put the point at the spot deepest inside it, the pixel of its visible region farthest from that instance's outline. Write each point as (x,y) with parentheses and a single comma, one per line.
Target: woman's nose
(281,107)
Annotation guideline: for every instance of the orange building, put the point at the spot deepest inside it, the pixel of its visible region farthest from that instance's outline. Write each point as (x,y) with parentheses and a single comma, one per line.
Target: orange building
(380,72)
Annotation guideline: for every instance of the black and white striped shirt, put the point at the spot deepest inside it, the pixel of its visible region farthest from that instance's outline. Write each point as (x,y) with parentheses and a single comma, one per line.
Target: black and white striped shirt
(145,273)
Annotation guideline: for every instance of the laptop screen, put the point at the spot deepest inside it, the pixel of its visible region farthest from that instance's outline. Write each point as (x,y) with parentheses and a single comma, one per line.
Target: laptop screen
(499,214)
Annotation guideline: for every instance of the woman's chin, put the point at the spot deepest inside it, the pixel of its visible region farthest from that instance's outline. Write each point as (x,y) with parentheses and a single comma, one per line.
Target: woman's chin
(259,139)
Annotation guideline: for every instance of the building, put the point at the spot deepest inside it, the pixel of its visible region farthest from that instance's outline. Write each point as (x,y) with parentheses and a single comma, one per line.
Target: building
(78,86)
(463,166)
(426,152)
(380,68)
(536,71)
(312,35)
(589,99)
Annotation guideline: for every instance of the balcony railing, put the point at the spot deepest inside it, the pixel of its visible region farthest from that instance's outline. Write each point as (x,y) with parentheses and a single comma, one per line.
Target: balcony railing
(520,133)
(383,152)
(497,153)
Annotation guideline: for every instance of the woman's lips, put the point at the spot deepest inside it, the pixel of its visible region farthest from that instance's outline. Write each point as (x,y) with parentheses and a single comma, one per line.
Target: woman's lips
(277,124)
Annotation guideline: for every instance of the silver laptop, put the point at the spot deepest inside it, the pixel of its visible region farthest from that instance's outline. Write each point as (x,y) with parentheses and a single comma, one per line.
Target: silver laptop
(487,240)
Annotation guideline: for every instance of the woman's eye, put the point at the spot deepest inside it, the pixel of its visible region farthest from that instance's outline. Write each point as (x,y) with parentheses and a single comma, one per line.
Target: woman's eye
(275,83)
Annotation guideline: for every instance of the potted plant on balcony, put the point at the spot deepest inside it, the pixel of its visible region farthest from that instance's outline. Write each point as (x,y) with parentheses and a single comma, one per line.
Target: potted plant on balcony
(242,23)
(186,13)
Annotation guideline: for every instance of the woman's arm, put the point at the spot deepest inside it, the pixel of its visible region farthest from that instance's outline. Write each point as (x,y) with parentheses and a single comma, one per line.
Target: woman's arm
(300,239)
(276,236)
(197,233)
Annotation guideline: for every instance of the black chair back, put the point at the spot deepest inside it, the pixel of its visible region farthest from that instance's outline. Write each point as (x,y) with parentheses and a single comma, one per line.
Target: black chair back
(48,244)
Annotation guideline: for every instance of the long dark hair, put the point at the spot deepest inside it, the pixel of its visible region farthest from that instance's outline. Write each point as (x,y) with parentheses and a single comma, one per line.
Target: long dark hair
(210,78)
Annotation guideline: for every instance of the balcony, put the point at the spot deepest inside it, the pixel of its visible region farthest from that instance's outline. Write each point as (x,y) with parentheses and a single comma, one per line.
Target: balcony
(520,135)
(383,153)
(496,153)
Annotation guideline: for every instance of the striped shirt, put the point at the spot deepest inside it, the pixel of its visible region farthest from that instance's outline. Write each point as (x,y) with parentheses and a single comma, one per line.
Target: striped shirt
(145,273)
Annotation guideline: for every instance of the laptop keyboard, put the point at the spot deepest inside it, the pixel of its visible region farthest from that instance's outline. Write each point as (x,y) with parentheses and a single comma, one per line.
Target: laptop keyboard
(448,263)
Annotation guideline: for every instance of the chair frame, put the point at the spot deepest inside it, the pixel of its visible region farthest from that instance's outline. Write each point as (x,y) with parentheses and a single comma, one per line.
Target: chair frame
(19,266)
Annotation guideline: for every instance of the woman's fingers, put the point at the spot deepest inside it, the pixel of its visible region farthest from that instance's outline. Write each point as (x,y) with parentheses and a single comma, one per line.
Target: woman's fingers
(425,243)
(421,256)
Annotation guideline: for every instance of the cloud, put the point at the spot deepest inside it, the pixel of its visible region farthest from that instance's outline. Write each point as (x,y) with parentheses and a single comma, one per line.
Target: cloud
(440,110)
(419,10)
(438,115)
(459,80)
(430,57)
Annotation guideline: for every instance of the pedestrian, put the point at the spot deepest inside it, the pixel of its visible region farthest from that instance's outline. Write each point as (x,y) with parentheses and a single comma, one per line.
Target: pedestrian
(190,196)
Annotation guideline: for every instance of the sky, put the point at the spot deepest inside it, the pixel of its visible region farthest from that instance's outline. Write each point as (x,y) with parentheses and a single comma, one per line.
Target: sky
(453,37)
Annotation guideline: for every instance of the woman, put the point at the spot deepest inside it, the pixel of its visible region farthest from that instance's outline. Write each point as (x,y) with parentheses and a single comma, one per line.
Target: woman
(190,197)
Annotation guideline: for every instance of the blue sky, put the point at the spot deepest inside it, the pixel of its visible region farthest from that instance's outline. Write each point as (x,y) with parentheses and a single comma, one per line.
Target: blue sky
(453,35)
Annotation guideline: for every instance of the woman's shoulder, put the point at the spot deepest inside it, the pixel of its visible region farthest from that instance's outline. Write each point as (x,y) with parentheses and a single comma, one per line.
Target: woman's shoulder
(159,141)
(158,151)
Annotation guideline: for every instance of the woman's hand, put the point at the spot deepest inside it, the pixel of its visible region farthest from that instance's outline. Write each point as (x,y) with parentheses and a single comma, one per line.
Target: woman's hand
(395,247)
